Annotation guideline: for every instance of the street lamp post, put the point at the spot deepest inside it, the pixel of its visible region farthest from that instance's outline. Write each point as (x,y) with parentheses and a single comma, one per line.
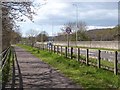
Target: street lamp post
(76,21)
(52,32)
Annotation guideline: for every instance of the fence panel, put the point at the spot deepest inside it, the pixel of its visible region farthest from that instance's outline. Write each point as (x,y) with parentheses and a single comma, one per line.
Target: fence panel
(98,58)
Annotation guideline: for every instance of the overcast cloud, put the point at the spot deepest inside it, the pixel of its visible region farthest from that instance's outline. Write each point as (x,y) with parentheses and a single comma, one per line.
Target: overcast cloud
(95,14)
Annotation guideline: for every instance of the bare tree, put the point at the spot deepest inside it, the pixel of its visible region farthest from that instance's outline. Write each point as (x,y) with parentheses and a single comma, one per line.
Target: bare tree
(15,37)
(42,37)
(80,29)
(31,34)
(11,12)
(81,26)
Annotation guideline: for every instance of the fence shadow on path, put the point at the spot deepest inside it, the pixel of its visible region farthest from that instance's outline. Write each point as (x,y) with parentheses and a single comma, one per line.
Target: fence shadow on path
(37,74)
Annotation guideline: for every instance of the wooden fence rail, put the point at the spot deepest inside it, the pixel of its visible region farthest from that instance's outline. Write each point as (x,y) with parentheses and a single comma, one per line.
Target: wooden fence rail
(68,52)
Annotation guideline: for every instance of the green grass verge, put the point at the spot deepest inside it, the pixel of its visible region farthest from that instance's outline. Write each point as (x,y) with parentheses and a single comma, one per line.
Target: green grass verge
(87,76)
(94,61)
(103,62)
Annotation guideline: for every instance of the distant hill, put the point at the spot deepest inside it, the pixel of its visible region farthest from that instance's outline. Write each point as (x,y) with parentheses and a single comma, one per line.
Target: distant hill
(108,34)
(105,34)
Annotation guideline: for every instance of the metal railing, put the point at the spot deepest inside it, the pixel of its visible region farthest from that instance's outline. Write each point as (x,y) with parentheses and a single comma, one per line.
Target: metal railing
(4,56)
(5,65)
(10,63)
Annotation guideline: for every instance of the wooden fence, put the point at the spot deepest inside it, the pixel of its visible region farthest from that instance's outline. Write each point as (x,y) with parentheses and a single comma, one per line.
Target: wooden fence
(70,52)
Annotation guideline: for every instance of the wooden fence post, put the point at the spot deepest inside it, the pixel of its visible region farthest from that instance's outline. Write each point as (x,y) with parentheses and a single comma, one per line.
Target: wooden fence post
(87,57)
(54,48)
(66,52)
(71,53)
(57,49)
(47,47)
(61,50)
(43,46)
(99,58)
(51,48)
(78,54)
(39,46)
(115,63)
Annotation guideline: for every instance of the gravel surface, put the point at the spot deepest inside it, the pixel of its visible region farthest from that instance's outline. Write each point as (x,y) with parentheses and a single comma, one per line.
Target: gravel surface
(36,74)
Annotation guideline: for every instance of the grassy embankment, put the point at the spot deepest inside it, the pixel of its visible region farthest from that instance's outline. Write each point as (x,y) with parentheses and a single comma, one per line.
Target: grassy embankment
(87,76)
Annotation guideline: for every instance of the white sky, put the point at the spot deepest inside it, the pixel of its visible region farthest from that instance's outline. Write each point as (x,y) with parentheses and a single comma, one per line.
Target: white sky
(100,14)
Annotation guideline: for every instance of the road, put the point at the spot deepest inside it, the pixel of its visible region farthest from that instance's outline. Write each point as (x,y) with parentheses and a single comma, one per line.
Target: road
(105,55)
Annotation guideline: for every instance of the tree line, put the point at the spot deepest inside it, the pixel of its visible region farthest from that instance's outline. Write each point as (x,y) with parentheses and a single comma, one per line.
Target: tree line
(104,34)
(33,36)
(108,34)
(12,12)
